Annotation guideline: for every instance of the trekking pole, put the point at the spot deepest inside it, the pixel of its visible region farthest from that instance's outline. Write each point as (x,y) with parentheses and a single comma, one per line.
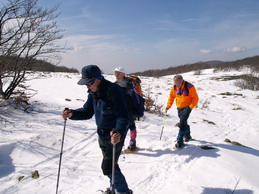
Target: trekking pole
(113,166)
(163,125)
(61,152)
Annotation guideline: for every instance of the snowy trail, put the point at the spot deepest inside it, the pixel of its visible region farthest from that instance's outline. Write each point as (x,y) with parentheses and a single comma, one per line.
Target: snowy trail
(33,141)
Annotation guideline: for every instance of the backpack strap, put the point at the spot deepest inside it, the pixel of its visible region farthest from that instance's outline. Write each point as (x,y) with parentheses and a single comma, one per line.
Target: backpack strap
(185,87)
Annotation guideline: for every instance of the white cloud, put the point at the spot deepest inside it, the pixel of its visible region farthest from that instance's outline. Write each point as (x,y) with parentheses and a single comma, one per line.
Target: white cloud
(234,49)
(91,43)
(205,51)
(197,20)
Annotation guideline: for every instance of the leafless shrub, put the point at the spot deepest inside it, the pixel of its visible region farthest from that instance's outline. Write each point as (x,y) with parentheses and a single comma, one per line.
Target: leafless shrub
(21,97)
(248,82)
(205,105)
(150,104)
(197,72)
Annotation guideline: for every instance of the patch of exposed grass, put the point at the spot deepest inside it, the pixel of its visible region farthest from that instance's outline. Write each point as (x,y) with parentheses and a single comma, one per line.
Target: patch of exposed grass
(227,78)
(207,147)
(234,143)
(20,178)
(237,108)
(210,122)
(230,94)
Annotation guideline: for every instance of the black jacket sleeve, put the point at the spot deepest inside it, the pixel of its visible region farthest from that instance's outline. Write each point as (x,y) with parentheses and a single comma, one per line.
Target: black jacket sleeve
(86,112)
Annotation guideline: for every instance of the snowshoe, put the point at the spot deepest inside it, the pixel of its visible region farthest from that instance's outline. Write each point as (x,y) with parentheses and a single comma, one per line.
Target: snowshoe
(131,152)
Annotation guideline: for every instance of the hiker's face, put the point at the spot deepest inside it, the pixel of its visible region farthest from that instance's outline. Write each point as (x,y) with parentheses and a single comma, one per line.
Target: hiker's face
(95,86)
(178,83)
(119,76)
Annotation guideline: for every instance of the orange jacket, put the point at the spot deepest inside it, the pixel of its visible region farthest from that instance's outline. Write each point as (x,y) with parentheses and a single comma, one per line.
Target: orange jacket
(182,98)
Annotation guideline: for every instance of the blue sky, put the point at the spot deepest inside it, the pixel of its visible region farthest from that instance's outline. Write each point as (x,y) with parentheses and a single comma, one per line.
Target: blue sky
(154,34)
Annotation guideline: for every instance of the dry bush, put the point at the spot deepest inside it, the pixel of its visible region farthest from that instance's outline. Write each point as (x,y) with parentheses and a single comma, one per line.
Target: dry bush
(150,104)
(205,105)
(21,97)
(197,72)
(248,82)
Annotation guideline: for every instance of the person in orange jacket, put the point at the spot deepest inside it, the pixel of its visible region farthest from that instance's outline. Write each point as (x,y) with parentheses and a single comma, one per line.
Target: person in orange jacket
(186,99)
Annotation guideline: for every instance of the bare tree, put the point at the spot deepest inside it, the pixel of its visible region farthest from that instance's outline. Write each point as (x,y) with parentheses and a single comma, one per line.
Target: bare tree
(27,31)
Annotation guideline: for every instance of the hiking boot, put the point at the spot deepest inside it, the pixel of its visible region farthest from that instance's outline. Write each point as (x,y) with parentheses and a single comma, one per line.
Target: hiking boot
(108,191)
(187,138)
(132,145)
(179,144)
(127,192)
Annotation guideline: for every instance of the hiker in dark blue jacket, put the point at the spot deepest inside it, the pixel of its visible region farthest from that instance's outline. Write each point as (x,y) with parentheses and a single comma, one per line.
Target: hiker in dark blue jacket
(107,103)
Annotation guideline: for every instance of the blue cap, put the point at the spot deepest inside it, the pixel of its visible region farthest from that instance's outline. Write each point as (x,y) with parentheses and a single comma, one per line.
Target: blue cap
(89,73)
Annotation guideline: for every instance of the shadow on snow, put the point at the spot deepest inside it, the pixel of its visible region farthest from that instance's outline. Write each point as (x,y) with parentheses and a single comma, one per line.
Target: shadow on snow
(6,162)
(226,191)
(195,151)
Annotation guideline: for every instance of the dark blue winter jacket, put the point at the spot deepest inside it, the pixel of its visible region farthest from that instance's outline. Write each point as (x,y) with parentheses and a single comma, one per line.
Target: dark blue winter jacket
(109,107)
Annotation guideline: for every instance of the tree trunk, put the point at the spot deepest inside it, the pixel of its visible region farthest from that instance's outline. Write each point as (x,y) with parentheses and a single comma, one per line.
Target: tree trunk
(1,88)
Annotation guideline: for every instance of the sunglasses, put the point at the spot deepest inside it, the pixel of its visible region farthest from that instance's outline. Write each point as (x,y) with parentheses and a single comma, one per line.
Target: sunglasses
(90,82)
(117,74)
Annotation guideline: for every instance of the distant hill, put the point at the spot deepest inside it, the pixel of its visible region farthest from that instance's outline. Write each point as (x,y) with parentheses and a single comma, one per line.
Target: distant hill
(36,65)
(252,62)
(40,65)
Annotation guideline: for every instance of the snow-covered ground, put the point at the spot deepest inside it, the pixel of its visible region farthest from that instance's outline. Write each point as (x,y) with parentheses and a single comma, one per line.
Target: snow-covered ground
(32,141)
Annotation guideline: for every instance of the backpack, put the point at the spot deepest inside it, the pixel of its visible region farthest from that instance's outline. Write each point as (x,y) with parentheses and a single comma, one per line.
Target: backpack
(185,87)
(136,81)
(135,102)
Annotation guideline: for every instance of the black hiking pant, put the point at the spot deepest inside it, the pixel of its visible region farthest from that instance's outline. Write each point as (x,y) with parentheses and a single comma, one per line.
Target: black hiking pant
(107,149)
